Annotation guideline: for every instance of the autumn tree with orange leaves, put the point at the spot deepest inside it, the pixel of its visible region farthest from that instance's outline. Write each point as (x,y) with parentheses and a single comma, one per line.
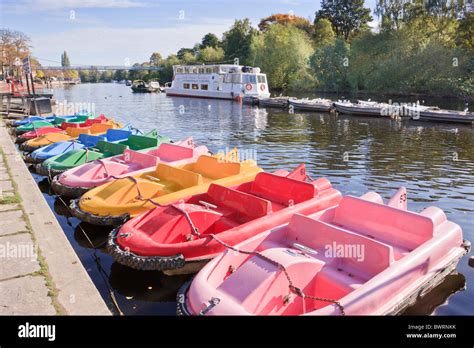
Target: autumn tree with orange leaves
(285,18)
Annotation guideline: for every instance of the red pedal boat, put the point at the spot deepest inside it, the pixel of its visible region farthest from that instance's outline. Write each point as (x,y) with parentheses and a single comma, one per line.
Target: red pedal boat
(179,235)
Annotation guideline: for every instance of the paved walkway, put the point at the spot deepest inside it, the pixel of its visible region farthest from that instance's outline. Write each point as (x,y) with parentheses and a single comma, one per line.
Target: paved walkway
(40,273)
(23,288)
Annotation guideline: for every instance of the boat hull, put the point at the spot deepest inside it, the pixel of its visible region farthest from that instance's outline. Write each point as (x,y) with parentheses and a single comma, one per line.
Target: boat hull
(311,107)
(445,117)
(359,111)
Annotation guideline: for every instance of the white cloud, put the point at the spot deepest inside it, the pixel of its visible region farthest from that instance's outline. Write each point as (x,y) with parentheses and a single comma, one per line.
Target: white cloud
(111,46)
(51,5)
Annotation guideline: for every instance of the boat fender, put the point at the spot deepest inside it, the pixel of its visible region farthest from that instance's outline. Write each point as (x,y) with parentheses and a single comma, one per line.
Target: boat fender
(467,245)
(142,263)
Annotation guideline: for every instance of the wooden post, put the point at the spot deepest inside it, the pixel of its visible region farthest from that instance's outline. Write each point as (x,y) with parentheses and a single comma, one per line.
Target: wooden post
(27,84)
(32,84)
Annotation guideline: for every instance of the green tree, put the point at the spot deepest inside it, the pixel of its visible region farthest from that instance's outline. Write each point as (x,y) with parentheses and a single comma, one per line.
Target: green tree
(65,59)
(323,32)
(237,41)
(330,66)
(211,55)
(282,52)
(105,76)
(166,75)
(209,40)
(189,58)
(465,36)
(156,59)
(348,17)
(180,54)
(120,75)
(94,76)
(84,76)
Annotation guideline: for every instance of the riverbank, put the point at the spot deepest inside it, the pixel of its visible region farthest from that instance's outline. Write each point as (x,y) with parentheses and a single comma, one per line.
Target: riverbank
(40,273)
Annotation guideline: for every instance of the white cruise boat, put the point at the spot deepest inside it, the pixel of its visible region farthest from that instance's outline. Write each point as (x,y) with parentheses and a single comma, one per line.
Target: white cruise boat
(218,82)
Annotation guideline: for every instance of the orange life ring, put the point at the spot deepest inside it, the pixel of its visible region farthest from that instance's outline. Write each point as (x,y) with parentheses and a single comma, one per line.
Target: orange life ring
(262,87)
(248,87)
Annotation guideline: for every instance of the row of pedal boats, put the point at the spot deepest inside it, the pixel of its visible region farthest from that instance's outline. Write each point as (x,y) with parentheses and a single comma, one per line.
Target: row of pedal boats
(263,243)
(370,108)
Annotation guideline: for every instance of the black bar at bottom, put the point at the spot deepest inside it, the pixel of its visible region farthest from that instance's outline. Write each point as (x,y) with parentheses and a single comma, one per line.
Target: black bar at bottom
(86,330)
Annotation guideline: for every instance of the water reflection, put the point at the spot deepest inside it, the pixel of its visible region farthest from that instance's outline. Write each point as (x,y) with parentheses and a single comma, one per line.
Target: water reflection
(437,296)
(150,286)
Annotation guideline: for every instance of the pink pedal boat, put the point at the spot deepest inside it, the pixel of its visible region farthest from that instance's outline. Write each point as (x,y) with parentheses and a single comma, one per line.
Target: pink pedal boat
(362,257)
(77,181)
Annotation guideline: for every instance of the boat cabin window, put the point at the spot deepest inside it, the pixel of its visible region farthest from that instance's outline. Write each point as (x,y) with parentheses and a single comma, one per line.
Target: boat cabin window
(261,79)
(252,79)
(232,78)
(215,70)
(195,86)
(208,70)
(204,87)
(186,85)
(202,70)
(179,70)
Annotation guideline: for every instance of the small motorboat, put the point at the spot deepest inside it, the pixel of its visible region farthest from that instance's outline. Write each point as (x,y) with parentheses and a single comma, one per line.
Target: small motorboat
(363,109)
(274,102)
(442,115)
(179,237)
(250,100)
(115,202)
(71,133)
(362,257)
(318,104)
(128,83)
(84,140)
(104,149)
(77,181)
(140,86)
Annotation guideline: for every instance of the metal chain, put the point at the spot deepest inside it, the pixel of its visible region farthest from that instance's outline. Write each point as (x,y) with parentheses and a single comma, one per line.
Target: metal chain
(297,291)
(140,197)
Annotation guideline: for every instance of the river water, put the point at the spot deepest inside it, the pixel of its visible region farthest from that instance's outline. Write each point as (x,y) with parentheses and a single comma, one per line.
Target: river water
(434,161)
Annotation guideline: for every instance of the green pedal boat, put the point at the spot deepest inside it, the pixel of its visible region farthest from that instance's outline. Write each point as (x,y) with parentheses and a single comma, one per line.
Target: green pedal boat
(62,162)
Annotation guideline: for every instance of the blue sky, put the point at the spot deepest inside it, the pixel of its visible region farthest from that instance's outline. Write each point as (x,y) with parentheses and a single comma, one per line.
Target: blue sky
(114,32)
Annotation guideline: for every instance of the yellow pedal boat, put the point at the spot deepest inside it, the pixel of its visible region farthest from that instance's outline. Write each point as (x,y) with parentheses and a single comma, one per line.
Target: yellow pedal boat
(71,133)
(115,202)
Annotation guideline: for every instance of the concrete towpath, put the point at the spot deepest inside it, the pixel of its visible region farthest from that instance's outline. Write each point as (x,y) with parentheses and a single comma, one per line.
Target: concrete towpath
(40,274)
